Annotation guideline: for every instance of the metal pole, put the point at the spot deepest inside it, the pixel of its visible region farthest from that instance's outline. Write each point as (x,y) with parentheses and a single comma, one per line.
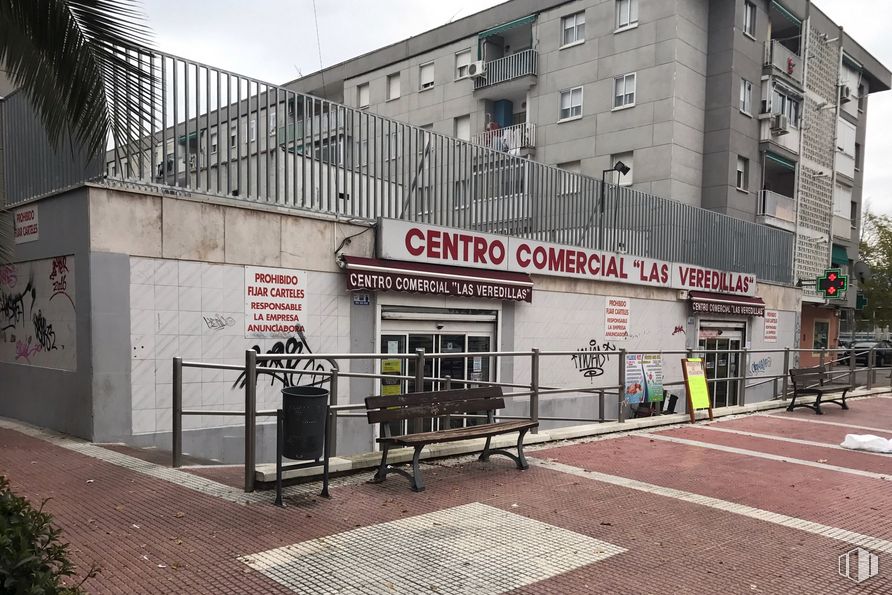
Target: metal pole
(333,400)
(871,360)
(852,363)
(177,438)
(250,417)
(601,406)
(786,379)
(621,413)
(534,388)
(741,392)
(419,384)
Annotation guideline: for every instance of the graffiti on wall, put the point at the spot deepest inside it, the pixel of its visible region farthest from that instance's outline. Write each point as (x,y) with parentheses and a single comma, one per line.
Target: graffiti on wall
(290,372)
(37,313)
(591,360)
(760,366)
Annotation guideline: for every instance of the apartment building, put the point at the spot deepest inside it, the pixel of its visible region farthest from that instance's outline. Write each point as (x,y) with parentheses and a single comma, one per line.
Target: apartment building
(752,108)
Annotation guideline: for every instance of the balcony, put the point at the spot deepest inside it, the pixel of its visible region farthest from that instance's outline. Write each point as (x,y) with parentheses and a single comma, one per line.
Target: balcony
(787,137)
(781,60)
(522,68)
(519,139)
(777,210)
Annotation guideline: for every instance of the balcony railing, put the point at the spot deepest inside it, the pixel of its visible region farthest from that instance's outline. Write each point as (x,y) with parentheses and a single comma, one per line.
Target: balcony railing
(510,139)
(784,60)
(779,208)
(313,155)
(514,66)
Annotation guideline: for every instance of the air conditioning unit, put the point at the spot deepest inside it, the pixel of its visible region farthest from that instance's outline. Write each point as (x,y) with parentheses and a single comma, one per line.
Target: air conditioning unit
(780,124)
(477,69)
(845,94)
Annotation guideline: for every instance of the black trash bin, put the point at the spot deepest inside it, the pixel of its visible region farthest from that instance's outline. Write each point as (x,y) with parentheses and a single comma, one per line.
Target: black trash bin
(304,412)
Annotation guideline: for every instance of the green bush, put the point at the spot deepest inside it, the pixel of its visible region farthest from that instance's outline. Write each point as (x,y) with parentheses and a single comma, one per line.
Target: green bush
(33,560)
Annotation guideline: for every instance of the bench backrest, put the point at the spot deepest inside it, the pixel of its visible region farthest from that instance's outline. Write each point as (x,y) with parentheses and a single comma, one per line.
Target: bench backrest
(806,377)
(389,408)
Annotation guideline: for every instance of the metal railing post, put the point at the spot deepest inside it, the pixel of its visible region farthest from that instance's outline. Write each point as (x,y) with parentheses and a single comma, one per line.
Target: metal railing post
(852,366)
(822,358)
(871,360)
(601,406)
(621,413)
(741,391)
(177,437)
(419,385)
(250,417)
(534,388)
(333,400)
(785,384)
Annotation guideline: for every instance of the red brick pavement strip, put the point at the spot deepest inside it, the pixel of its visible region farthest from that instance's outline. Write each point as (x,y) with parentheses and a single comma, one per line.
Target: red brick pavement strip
(823,496)
(674,547)
(874,412)
(801,430)
(850,459)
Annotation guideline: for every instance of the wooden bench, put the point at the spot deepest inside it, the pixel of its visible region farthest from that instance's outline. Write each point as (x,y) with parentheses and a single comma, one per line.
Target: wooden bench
(416,406)
(817,381)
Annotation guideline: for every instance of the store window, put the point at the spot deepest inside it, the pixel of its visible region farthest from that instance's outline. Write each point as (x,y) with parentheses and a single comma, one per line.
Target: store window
(822,335)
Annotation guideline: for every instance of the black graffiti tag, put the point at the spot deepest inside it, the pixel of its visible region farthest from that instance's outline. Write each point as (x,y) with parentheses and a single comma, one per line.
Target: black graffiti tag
(291,372)
(43,331)
(12,306)
(590,360)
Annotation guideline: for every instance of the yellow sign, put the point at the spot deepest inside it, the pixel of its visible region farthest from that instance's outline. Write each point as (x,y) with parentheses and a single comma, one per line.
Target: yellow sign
(390,366)
(390,389)
(695,378)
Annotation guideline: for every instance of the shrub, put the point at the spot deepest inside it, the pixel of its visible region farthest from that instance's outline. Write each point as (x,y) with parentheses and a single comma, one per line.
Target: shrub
(33,559)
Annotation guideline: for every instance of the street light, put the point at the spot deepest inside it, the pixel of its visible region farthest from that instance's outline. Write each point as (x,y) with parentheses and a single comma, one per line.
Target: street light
(622,169)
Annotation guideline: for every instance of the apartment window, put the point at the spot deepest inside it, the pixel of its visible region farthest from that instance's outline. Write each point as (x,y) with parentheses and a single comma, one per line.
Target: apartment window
(426,76)
(749,19)
(746,96)
(571,103)
(628,159)
(272,121)
(462,61)
(253,132)
(853,213)
(393,86)
(362,95)
(233,135)
(626,14)
(784,103)
(213,142)
(821,339)
(462,127)
(573,28)
(743,173)
(624,90)
(858,156)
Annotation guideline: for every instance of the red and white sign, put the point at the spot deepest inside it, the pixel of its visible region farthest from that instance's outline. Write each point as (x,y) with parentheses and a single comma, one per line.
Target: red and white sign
(616,318)
(403,240)
(26,224)
(275,302)
(770,326)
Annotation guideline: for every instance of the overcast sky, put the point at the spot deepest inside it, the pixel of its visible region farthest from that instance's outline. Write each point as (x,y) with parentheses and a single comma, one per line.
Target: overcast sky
(275,41)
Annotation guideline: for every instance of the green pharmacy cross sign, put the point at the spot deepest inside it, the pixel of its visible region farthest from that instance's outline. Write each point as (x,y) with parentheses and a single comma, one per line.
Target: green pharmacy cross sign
(832,284)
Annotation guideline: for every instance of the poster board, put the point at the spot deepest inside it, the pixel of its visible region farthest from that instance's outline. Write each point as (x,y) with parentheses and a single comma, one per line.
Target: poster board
(695,386)
(644,378)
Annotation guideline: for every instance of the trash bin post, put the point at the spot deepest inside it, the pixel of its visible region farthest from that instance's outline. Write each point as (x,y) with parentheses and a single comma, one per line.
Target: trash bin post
(279,440)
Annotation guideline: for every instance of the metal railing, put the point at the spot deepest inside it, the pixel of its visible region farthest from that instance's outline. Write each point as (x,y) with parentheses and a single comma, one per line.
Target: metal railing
(748,376)
(509,139)
(513,66)
(778,206)
(219,133)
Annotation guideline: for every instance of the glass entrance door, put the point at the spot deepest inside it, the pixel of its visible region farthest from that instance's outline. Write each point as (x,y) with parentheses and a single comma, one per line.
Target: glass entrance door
(722,368)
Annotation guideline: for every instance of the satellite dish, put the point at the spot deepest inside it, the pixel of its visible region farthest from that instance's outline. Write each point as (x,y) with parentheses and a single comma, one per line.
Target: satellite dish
(862,271)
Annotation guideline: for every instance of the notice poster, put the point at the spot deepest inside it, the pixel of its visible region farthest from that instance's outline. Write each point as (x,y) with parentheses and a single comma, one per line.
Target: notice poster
(275,303)
(644,378)
(770,326)
(616,319)
(26,224)
(695,381)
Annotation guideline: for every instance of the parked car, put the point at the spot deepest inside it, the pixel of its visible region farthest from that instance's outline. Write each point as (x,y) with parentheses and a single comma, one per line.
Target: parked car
(861,351)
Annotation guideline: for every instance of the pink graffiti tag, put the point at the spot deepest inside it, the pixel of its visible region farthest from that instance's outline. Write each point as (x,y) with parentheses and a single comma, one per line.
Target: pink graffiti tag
(26,350)
(59,277)
(8,275)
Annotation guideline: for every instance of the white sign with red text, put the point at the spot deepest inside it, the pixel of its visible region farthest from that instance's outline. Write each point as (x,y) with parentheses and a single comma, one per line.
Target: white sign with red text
(616,318)
(26,224)
(770,326)
(403,240)
(275,302)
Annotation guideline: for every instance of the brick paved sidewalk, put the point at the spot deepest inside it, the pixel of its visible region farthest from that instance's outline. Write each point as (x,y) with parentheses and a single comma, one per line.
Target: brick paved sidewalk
(765,507)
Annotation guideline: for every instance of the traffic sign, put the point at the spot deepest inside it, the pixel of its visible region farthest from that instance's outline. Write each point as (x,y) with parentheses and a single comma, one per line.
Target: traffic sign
(832,284)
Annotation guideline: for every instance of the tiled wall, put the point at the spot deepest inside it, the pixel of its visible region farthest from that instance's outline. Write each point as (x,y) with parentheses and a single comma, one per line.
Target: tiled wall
(170,301)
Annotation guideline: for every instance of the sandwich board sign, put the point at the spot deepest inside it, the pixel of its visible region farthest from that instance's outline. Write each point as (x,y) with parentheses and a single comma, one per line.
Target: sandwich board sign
(695,386)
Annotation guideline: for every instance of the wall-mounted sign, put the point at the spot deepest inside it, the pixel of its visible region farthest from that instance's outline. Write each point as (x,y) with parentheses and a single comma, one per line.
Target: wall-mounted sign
(716,303)
(275,302)
(369,274)
(26,225)
(770,334)
(403,240)
(617,312)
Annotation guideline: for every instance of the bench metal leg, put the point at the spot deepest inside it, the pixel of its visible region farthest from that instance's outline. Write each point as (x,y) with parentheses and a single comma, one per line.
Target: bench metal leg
(381,474)
(417,481)
(519,459)
(484,456)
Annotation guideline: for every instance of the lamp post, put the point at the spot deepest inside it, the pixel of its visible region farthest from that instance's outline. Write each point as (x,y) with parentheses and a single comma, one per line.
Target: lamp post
(623,169)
